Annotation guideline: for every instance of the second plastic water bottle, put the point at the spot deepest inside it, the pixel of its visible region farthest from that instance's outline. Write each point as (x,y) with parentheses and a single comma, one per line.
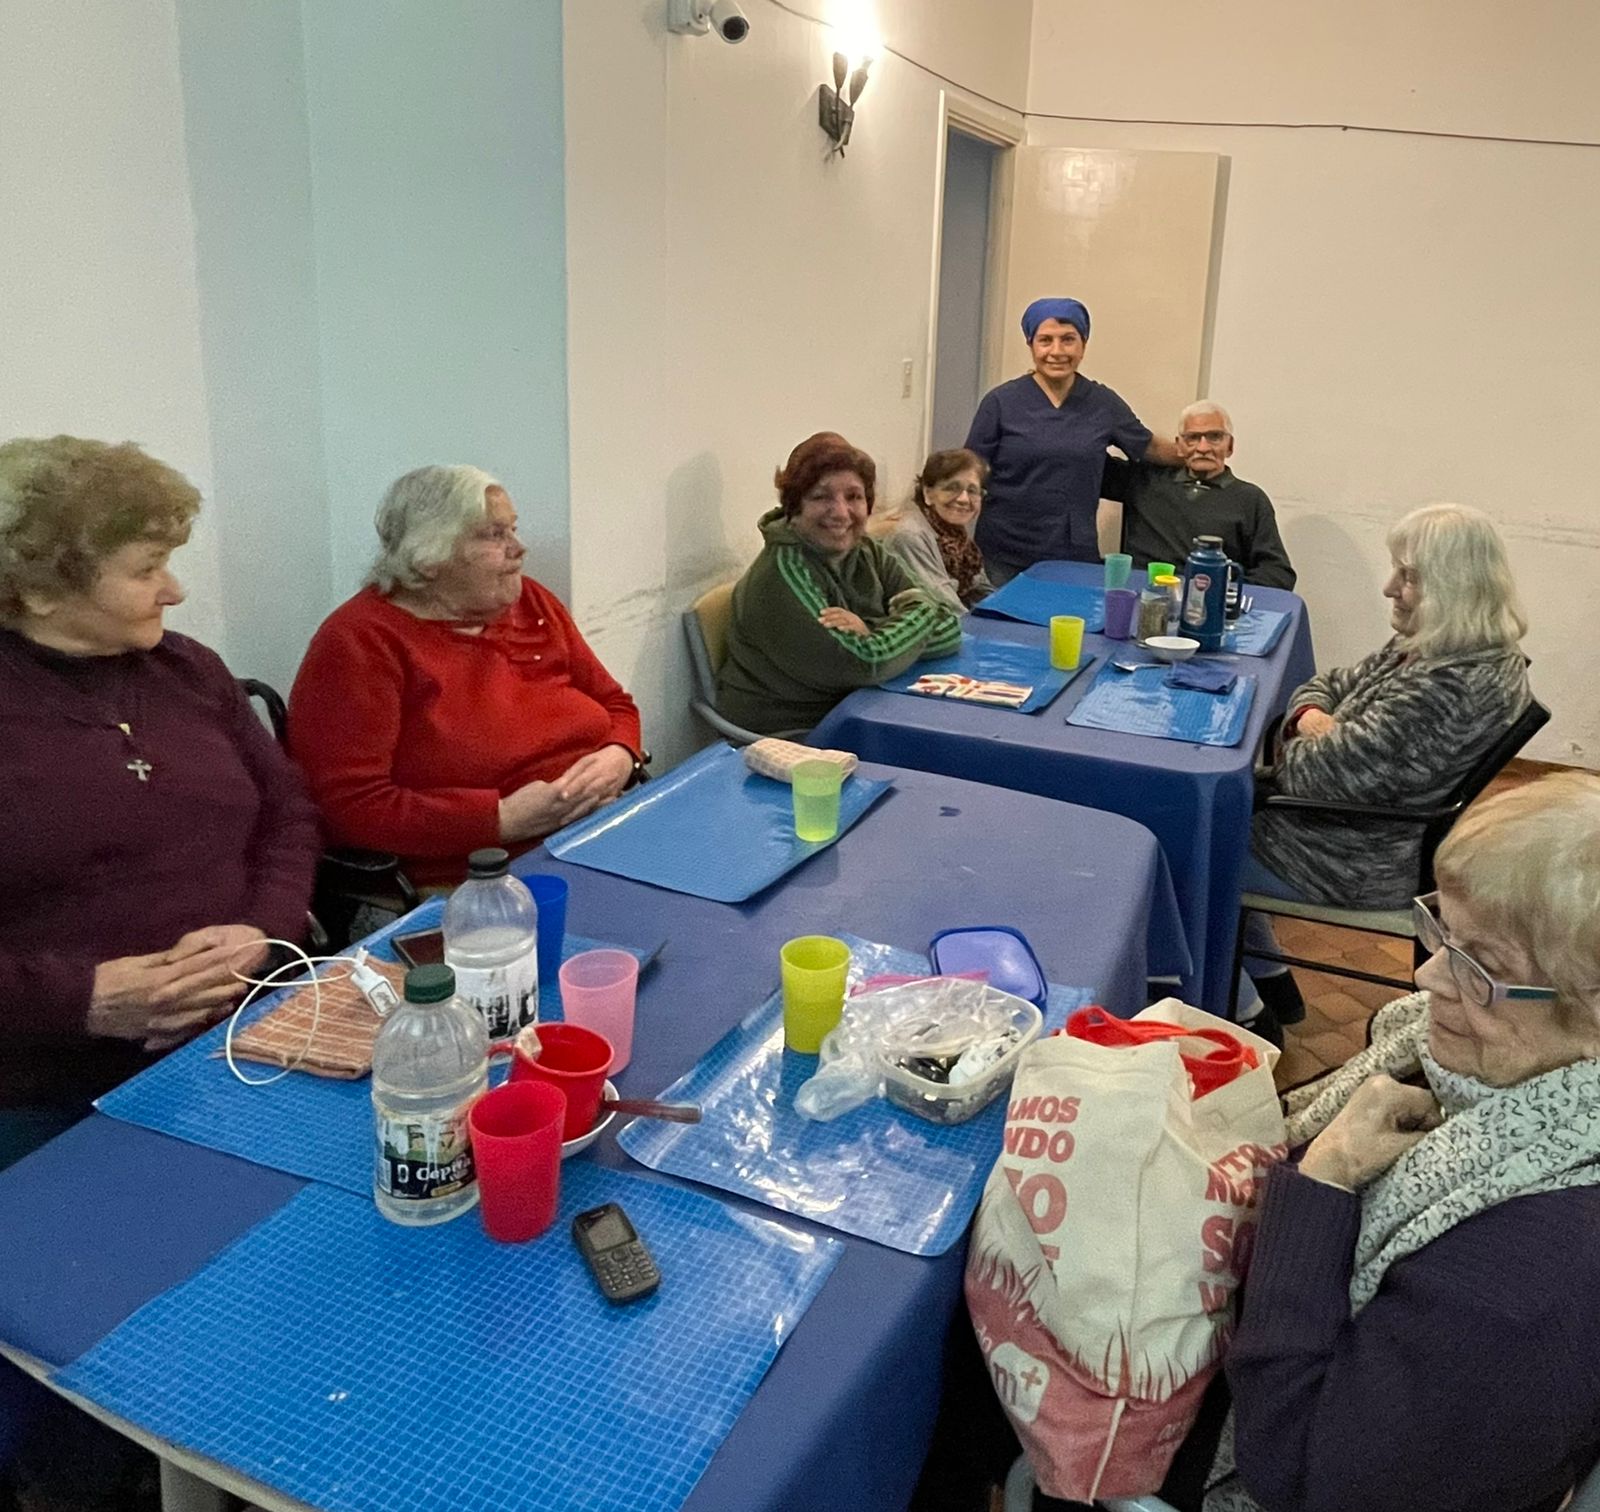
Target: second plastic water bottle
(491,942)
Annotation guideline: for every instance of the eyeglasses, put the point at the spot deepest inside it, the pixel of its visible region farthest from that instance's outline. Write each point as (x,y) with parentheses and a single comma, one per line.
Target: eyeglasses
(1472,981)
(502,537)
(1193,438)
(953,490)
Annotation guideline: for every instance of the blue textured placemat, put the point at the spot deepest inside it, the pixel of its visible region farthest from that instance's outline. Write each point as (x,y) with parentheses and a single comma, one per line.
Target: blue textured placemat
(1255,633)
(310,1126)
(710,827)
(1141,703)
(994,661)
(357,1365)
(1037,603)
(879,1172)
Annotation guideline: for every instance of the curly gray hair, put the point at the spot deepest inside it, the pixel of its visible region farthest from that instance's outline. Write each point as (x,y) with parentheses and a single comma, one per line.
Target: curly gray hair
(421,519)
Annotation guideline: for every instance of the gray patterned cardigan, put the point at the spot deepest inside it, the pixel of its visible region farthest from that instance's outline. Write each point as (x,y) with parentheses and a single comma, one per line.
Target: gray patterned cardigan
(1408,731)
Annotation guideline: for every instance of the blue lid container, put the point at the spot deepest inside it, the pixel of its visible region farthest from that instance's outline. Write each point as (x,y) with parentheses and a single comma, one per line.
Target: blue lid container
(1003,954)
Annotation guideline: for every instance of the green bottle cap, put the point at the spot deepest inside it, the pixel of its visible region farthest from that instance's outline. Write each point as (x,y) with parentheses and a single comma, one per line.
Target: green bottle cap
(430,984)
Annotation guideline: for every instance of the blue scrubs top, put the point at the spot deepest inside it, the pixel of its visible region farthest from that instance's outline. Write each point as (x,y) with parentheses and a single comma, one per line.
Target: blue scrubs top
(1044,468)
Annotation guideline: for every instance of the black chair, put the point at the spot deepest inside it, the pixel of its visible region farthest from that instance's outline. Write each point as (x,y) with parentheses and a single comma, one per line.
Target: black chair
(348,879)
(1435,825)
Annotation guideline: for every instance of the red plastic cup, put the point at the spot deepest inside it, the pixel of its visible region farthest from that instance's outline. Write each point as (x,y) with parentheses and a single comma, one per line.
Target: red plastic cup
(516,1146)
(572,1059)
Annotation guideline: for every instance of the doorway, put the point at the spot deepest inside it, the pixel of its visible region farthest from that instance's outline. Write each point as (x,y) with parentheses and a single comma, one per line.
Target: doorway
(970,166)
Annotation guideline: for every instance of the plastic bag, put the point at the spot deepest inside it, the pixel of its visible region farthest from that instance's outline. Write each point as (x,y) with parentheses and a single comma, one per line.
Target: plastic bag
(942,1047)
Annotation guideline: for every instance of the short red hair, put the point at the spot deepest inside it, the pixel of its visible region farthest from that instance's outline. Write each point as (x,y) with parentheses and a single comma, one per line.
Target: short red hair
(815,458)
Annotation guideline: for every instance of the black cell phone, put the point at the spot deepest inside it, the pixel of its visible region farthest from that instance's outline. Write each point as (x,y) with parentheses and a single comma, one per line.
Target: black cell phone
(622,1267)
(424,948)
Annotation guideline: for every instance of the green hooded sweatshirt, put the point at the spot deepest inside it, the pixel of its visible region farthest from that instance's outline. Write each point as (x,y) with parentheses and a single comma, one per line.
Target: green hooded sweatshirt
(784,671)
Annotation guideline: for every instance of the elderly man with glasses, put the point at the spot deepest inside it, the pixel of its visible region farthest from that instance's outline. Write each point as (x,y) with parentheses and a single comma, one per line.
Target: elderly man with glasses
(1165,508)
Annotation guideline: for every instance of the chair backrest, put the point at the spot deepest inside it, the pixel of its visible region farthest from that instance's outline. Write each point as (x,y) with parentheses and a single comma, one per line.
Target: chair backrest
(713,611)
(276,710)
(1528,724)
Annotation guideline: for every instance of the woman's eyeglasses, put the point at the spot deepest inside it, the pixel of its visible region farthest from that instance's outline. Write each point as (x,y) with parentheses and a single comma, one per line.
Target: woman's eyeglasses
(1472,981)
(502,537)
(952,490)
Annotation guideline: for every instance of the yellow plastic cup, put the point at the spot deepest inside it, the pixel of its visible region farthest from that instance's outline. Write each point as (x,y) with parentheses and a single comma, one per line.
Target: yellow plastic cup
(1066,641)
(816,799)
(814,970)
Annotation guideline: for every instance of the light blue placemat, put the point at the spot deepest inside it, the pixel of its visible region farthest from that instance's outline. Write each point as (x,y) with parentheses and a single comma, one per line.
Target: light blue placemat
(1255,633)
(879,1172)
(995,661)
(357,1365)
(1141,703)
(311,1126)
(710,827)
(1037,603)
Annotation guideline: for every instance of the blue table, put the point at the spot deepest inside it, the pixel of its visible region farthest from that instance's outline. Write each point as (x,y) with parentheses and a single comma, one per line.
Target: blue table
(1196,799)
(109,1216)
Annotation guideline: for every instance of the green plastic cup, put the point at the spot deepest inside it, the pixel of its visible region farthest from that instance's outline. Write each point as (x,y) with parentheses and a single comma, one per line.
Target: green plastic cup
(1158,569)
(816,799)
(1066,641)
(1118,565)
(814,969)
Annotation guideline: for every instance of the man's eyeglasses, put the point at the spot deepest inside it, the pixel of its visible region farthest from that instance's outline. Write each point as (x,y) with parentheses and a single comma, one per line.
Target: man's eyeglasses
(1472,981)
(953,490)
(1193,438)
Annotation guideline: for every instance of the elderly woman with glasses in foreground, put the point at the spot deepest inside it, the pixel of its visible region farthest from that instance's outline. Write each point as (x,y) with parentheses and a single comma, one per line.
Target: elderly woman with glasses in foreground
(931,533)
(1401,727)
(1418,1326)
(452,703)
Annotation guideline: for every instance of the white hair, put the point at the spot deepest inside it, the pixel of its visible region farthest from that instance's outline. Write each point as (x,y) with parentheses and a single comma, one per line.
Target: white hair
(422,518)
(1469,600)
(1204,407)
(1529,861)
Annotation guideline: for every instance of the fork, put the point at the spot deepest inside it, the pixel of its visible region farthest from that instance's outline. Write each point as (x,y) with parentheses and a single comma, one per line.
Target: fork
(1246,603)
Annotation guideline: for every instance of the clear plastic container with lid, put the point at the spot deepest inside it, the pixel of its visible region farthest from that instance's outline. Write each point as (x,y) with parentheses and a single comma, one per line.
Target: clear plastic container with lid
(430,1063)
(491,942)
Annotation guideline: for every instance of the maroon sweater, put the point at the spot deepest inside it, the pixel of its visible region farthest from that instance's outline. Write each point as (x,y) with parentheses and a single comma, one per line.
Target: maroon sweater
(1469,1383)
(96,864)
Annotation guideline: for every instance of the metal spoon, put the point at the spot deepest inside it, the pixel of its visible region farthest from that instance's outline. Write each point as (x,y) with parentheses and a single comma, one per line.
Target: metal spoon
(646,1107)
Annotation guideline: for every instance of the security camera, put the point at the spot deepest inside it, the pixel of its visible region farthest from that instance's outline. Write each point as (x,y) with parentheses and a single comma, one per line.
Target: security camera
(697,17)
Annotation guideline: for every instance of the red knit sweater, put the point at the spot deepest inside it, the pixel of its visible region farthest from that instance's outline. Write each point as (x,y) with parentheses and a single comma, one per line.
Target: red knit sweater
(410,732)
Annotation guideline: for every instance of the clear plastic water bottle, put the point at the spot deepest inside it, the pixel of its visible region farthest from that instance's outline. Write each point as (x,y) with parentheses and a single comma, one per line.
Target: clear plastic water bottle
(491,942)
(430,1063)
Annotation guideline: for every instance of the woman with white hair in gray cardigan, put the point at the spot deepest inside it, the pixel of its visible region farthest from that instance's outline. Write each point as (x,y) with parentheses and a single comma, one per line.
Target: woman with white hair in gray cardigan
(1403,726)
(452,703)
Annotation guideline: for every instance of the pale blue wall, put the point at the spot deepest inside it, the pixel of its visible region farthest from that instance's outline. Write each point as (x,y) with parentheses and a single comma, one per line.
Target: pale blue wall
(437,170)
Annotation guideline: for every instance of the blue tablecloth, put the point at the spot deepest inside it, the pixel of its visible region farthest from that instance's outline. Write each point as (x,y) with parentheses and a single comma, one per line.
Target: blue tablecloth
(1197,799)
(842,1418)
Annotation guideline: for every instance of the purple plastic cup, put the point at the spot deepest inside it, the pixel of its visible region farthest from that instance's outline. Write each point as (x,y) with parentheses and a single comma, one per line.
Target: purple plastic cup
(1122,607)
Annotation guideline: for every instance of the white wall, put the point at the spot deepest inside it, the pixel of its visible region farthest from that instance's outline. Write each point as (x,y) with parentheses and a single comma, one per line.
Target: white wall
(99,302)
(1399,319)
(436,151)
(733,288)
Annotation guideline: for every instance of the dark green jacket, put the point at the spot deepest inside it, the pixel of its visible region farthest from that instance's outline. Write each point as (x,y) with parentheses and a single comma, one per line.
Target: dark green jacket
(784,671)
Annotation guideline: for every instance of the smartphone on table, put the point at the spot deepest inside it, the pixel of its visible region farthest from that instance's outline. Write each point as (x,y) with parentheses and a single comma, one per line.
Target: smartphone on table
(424,947)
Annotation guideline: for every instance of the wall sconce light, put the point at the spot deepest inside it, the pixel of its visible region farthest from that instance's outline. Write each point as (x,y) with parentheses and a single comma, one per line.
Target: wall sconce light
(836,103)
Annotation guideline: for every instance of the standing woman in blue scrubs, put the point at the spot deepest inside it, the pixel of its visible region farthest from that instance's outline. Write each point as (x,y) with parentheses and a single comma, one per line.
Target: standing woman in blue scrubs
(1044,436)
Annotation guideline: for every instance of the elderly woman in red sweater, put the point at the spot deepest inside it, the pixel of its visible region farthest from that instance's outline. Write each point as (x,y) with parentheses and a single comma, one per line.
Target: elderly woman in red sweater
(452,703)
(153,834)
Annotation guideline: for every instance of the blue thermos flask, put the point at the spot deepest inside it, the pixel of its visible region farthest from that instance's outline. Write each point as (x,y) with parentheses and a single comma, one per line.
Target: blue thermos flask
(1205,593)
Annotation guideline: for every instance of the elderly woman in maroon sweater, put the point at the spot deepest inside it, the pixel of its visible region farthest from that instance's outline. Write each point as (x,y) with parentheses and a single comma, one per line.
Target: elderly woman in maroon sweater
(154,834)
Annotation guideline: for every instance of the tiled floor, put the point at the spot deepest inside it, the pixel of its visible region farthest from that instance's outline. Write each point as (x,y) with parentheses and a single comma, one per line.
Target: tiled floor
(1337,1009)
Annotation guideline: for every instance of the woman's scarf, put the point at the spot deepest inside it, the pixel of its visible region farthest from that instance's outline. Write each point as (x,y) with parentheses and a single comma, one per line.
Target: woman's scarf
(1496,1143)
(962,559)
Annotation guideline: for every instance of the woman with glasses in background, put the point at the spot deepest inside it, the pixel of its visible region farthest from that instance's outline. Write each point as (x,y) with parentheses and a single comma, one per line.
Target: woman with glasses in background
(931,533)
(1418,1327)
(1401,727)
(452,703)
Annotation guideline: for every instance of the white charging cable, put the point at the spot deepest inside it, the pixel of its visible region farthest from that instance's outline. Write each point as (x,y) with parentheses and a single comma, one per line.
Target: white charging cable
(373,986)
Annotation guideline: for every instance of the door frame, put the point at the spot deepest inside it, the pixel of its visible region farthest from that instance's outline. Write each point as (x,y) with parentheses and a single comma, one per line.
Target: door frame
(1005,129)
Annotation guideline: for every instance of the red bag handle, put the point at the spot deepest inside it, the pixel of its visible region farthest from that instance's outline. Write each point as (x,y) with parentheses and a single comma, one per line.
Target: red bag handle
(1231,1057)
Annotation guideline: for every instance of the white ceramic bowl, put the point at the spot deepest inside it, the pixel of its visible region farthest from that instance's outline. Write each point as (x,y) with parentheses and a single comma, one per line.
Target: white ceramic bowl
(1172,648)
(583,1141)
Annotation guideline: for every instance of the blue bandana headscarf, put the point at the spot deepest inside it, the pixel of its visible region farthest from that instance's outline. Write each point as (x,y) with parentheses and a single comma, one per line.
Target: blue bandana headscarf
(1041,310)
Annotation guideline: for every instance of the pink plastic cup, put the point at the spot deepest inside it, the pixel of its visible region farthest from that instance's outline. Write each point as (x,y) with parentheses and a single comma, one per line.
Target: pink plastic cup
(598,990)
(574,1061)
(516,1146)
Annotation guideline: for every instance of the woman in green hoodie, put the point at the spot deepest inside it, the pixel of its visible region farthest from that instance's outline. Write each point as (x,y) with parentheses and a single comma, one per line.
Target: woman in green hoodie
(824,609)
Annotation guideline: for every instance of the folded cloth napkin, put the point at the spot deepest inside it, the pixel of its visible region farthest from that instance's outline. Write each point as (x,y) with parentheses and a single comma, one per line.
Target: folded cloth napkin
(1202,678)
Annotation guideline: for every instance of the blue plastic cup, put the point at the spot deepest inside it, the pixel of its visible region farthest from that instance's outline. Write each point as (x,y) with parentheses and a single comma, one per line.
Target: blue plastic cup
(550,898)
